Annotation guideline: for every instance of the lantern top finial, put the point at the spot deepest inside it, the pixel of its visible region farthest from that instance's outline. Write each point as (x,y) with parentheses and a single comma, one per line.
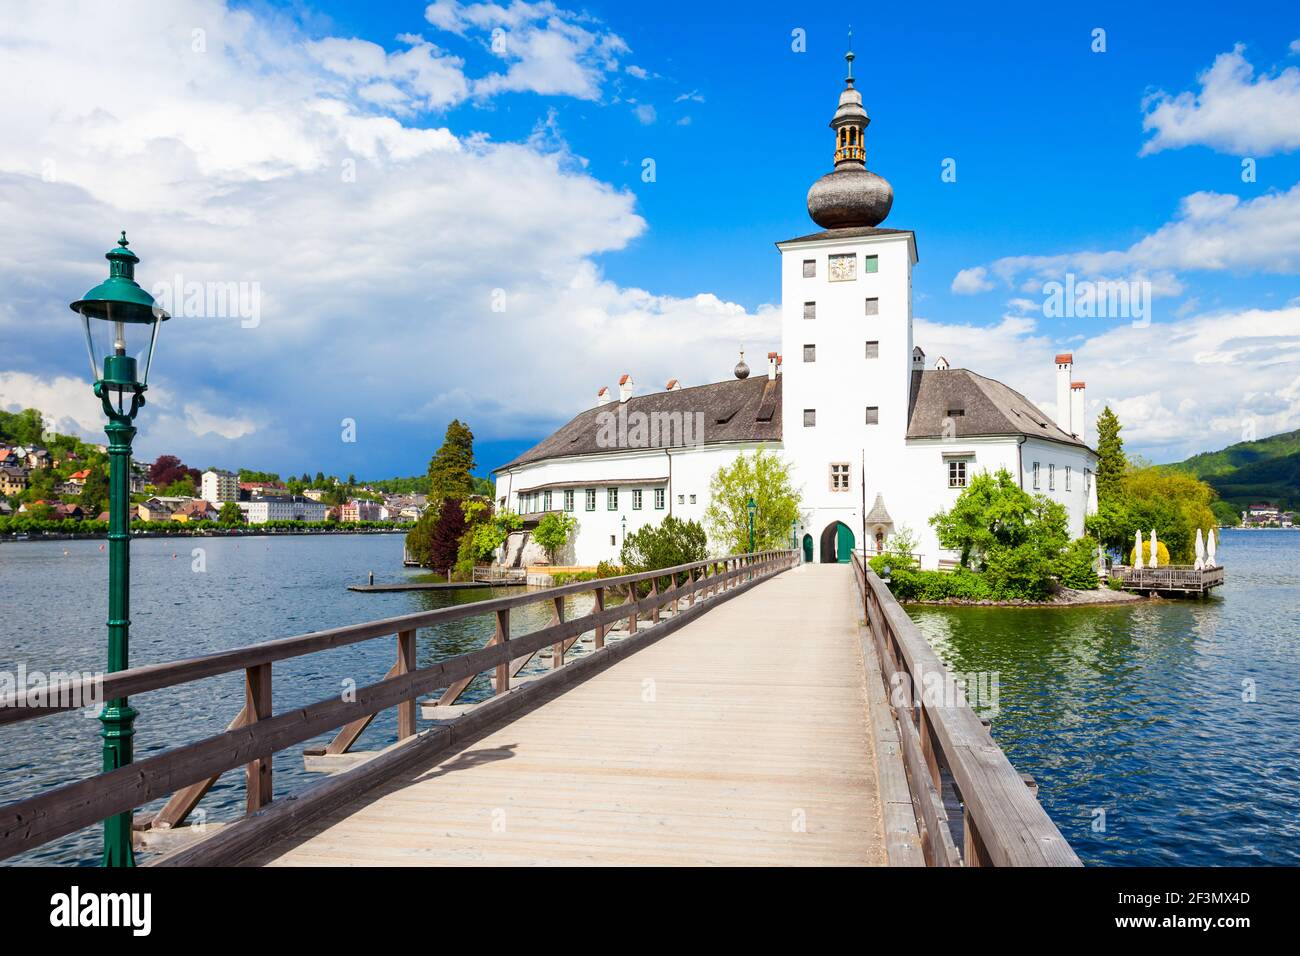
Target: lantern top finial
(119,297)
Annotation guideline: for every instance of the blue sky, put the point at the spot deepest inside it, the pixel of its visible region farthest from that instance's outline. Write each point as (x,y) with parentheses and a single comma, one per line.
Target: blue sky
(500,149)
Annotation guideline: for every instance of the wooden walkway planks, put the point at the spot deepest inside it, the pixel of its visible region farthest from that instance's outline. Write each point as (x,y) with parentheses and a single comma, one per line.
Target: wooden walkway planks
(742,739)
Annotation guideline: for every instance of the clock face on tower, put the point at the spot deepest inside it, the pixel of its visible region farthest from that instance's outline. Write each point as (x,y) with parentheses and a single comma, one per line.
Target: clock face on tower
(842,268)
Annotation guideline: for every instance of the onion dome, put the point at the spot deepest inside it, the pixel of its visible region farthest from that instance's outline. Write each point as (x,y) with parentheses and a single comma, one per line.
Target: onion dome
(742,370)
(850,195)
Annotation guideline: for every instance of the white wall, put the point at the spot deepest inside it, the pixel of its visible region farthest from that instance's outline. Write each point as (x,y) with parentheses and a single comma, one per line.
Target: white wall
(600,532)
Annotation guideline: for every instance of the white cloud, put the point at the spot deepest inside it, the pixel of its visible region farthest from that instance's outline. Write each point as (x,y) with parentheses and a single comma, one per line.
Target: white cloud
(68,404)
(1178,387)
(549,50)
(202,422)
(694,96)
(645,113)
(420,77)
(637,71)
(1233,112)
(972,281)
(377,290)
(1211,232)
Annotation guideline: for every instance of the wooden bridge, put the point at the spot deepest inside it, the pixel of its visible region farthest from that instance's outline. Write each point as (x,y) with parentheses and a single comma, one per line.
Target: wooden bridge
(733,711)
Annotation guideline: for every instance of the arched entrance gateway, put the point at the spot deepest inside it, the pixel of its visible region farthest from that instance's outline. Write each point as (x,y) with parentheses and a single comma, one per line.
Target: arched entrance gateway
(807,549)
(837,543)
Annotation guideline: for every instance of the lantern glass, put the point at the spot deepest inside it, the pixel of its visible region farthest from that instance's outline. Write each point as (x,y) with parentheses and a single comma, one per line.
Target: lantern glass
(108,336)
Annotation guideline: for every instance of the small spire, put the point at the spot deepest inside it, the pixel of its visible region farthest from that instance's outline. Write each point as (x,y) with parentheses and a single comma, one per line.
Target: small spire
(850,58)
(122,242)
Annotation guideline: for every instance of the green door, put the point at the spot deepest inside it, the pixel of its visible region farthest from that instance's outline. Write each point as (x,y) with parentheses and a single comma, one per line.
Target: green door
(844,543)
(807,549)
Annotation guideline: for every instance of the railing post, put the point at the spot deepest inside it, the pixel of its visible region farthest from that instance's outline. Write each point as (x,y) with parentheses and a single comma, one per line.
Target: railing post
(600,606)
(631,598)
(502,636)
(405,664)
(654,594)
(257,704)
(557,617)
(690,583)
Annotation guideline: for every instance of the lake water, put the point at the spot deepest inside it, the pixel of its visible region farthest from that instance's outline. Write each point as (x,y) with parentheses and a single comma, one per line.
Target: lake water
(1138,721)
(53,602)
(1134,711)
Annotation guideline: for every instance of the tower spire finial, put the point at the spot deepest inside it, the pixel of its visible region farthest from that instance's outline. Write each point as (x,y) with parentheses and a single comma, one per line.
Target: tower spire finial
(850,58)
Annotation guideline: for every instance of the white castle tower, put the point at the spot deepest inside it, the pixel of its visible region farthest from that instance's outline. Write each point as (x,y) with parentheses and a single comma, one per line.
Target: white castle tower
(846,332)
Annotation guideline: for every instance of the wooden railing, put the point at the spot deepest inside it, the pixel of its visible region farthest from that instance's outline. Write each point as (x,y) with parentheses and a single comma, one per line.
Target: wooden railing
(972,807)
(1170,577)
(185,773)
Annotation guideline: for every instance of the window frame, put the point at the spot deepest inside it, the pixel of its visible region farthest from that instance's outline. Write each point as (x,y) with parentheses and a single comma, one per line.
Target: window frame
(867,306)
(958,473)
(837,474)
(810,352)
(636,499)
(590,498)
(1051,476)
(807,421)
(611,498)
(1037,484)
(807,273)
(867,420)
(810,311)
(661,498)
(869,350)
(870,265)
(568,499)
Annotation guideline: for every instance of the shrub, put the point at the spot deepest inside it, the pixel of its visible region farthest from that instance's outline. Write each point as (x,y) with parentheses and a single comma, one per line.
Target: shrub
(1162,553)
(1077,566)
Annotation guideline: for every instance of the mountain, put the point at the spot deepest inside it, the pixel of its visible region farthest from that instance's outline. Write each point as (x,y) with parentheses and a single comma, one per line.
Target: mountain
(1264,470)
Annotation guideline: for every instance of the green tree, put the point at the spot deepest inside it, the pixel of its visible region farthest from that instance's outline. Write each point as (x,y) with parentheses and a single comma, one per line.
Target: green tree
(553,532)
(1013,537)
(1111,461)
(182,487)
(451,464)
(665,545)
(94,493)
(22,428)
(230,514)
(765,478)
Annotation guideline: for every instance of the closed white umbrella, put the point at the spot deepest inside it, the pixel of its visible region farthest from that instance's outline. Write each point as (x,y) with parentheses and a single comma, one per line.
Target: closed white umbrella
(1137,548)
(1153,562)
(1209,550)
(1200,551)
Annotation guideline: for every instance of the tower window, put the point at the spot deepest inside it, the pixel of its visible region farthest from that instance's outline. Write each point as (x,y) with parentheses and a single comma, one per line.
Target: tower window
(873,306)
(1036,476)
(810,353)
(956,473)
(1067,477)
(809,417)
(873,350)
(809,268)
(873,414)
(1051,477)
(810,310)
(840,476)
(871,263)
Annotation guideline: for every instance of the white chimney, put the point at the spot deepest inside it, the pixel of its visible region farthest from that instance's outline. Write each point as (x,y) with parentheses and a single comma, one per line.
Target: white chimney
(673,385)
(1076,410)
(1064,366)
(625,388)
(771,366)
(602,397)
(918,359)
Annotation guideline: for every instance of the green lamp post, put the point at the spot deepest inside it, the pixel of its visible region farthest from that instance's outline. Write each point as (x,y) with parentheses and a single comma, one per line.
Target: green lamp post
(118,315)
(794,534)
(752,507)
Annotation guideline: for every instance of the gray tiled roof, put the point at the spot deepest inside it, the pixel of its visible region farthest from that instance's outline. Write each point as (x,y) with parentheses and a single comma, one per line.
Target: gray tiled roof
(852,232)
(734,411)
(988,408)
